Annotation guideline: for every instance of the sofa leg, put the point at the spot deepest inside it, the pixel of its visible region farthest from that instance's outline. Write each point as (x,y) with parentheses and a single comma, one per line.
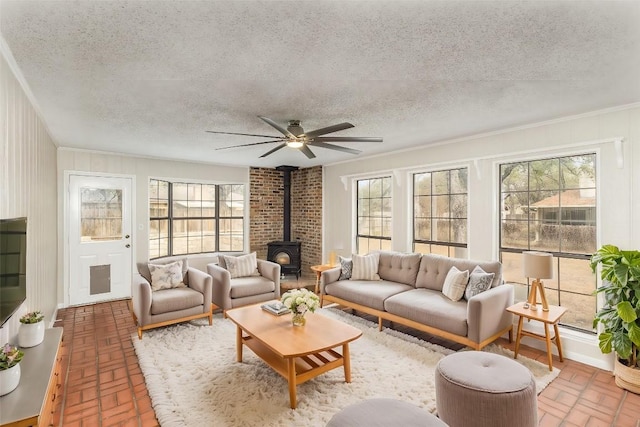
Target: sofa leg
(379,323)
(210,318)
(139,333)
(321,300)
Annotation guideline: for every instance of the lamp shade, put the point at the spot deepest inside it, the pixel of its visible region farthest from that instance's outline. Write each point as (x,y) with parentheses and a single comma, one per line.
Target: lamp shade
(537,265)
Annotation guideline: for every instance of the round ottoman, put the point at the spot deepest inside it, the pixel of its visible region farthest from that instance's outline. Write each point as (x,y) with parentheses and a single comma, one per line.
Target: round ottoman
(475,388)
(384,413)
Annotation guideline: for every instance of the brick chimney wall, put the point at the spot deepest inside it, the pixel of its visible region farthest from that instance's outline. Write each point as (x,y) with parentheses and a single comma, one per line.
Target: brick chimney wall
(266,190)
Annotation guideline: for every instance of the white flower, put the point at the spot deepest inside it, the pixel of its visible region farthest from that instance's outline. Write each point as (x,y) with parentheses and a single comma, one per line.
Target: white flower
(300,300)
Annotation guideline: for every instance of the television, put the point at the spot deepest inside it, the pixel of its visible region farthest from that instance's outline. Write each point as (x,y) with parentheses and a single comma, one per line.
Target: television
(13,266)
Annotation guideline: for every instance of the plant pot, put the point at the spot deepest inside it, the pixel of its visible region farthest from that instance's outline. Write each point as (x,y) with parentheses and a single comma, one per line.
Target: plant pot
(9,379)
(30,334)
(626,377)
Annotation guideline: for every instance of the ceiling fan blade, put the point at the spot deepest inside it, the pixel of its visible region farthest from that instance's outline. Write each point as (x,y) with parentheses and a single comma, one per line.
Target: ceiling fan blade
(247,145)
(307,151)
(328,129)
(282,130)
(333,147)
(243,134)
(347,139)
(274,149)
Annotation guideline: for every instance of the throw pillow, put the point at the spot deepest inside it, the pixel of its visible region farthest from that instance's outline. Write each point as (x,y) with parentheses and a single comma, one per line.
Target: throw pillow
(347,266)
(455,283)
(242,266)
(166,276)
(365,267)
(479,281)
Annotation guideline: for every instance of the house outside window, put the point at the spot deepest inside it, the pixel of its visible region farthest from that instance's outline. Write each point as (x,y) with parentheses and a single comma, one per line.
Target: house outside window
(440,212)
(549,205)
(374,215)
(190,218)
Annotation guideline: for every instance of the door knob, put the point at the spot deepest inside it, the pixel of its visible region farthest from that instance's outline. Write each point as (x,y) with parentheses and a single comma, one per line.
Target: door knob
(127,245)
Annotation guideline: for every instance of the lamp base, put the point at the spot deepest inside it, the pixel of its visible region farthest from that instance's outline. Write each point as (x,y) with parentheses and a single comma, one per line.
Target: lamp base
(537,288)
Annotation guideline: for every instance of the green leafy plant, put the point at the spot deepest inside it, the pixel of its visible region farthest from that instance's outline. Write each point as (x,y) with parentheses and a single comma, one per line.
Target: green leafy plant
(32,317)
(620,315)
(9,356)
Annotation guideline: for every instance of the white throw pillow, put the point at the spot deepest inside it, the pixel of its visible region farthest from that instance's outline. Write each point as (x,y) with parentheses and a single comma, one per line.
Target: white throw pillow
(365,267)
(166,276)
(455,284)
(479,281)
(242,266)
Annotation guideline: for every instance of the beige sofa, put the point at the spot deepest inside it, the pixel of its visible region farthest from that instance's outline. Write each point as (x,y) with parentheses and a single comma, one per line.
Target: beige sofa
(410,293)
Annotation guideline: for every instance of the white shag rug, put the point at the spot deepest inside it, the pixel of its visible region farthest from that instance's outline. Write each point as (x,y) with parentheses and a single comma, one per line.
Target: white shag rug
(194,380)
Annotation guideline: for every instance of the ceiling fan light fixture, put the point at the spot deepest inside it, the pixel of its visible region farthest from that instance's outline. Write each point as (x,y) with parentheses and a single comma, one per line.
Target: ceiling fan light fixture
(295,143)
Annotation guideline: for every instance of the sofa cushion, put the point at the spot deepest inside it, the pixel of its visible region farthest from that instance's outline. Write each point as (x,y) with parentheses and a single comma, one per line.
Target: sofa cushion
(252,285)
(434,269)
(455,283)
(242,265)
(170,300)
(143,267)
(479,281)
(399,267)
(365,267)
(346,267)
(368,293)
(430,308)
(166,276)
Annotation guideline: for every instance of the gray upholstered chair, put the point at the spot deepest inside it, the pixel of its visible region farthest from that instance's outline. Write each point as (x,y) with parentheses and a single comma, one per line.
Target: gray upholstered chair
(152,309)
(229,293)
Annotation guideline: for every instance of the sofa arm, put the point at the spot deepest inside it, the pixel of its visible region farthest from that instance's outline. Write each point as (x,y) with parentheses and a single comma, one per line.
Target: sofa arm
(270,270)
(201,282)
(221,286)
(487,312)
(141,299)
(329,276)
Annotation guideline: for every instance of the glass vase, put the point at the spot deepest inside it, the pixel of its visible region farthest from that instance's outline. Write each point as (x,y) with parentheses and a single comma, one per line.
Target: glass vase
(298,319)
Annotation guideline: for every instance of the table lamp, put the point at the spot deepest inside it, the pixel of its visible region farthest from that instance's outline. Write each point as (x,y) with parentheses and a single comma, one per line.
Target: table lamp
(537,265)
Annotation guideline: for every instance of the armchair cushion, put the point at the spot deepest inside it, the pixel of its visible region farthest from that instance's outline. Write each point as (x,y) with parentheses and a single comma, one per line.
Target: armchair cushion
(248,286)
(143,267)
(166,276)
(170,300)
(242,266)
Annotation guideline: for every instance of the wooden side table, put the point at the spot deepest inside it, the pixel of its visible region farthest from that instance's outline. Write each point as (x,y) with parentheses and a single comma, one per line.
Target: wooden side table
(547,318)
(318,270)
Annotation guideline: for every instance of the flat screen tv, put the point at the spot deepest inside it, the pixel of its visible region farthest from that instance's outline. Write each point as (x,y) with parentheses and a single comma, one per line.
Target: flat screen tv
(13,266)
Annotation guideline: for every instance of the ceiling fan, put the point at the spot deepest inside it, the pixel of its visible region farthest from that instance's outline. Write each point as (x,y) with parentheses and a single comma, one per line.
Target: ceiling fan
(295,137)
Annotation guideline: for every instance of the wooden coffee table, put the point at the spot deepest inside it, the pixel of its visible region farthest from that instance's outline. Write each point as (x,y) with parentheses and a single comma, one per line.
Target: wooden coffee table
(298,353)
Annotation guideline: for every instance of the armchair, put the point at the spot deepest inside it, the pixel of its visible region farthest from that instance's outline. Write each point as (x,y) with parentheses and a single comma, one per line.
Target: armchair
(229,293)
(152,309)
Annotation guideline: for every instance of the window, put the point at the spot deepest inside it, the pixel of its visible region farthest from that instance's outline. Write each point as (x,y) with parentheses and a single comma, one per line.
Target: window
(550,205)
(440,212)
(189,218)
(374,215)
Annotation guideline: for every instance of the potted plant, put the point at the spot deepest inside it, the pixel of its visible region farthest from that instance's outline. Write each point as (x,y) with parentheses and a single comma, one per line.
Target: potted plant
(10,358)
(31,332)
(619,317)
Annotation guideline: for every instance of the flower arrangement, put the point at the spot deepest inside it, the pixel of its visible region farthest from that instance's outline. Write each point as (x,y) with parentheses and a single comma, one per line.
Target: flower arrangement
(32,317)
(299,301)
(9,356)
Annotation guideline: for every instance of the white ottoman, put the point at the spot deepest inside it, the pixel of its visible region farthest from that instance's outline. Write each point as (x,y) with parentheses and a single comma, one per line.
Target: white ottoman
(475,388)
(384,413)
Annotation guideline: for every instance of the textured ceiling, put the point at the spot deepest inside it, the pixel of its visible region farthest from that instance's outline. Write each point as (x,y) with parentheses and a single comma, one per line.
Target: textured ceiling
(149,77)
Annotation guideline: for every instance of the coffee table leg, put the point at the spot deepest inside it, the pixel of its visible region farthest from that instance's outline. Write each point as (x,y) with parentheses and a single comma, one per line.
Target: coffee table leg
(239,344)
(292,381)
(346,361)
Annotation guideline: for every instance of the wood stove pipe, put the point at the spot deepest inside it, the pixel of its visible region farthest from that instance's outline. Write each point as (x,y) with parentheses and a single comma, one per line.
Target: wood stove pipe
(286,176)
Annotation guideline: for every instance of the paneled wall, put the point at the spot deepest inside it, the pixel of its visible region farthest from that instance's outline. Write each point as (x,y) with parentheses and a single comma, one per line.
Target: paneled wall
(28,189)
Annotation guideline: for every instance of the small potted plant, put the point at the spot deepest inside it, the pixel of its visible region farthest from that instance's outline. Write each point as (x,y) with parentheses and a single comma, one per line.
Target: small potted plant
(299,301)
(31,332)
(10,358)
(618,318)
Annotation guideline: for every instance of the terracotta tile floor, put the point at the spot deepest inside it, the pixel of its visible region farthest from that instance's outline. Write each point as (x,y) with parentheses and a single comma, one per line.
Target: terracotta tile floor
(102,384)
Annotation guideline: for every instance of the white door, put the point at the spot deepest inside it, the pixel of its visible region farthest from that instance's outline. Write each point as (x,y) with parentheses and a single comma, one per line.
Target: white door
(100,243)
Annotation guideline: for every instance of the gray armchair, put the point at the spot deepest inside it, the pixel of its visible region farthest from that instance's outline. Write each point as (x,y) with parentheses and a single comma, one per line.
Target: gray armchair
(229,293)
(152,309)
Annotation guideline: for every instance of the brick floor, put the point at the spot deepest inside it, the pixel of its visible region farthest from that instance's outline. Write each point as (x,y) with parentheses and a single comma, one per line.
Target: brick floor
(102,384)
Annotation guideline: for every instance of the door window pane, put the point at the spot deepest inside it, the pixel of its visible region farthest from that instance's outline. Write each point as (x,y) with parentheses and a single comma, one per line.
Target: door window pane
(100,214)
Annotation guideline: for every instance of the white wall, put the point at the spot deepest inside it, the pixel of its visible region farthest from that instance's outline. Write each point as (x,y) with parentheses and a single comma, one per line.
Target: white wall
(141,169)
(618,187)
(28,189)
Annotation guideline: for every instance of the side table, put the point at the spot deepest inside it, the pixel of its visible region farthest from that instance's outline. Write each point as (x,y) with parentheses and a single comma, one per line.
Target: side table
(318,269)
(547,318)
